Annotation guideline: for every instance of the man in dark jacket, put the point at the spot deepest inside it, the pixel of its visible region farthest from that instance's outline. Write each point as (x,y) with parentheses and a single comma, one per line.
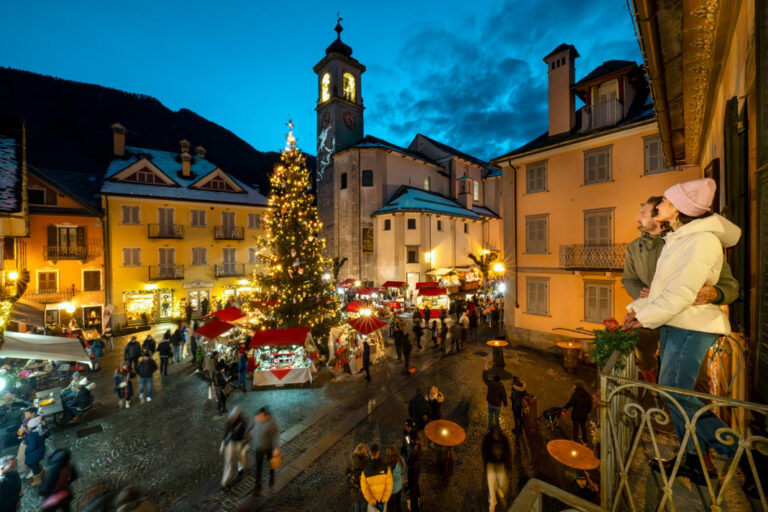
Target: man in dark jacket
(149,345)
(132,352)
(496,396)
(220,382)
(82,399)
(97,348)
(398,339)
(265,440)
(581,401)
(188,312)
(407,353)
(176,341)
(497,457)
(366,360)
(146,369)
(10,485)
(204,306)
(418,409)
(165,352)
(417,332)
(516,395)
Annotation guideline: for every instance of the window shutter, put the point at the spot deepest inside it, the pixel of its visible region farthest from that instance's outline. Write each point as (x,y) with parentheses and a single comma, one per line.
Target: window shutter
(81,236)
(52,232)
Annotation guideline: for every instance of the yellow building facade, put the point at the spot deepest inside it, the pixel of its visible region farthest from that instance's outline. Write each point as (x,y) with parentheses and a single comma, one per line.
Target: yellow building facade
(179,231)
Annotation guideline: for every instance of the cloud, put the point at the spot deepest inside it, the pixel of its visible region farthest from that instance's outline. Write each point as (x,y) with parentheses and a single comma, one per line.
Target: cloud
(483,88)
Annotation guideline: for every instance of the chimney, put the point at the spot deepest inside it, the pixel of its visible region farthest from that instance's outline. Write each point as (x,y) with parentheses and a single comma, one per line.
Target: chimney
(184,144)
(200,151)
(560,66)
(118,139)
(186,164)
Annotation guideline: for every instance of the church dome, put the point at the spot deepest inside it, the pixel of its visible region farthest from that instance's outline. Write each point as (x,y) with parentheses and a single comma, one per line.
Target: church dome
(338,46)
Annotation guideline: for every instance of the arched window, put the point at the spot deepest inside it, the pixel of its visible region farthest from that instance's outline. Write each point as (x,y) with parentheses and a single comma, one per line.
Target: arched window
(349,87)
(325,87)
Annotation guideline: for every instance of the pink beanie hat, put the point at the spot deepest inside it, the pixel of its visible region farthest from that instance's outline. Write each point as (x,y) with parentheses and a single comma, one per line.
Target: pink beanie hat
(694,197)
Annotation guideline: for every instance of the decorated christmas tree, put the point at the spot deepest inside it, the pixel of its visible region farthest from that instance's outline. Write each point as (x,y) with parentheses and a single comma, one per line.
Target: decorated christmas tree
(296,289)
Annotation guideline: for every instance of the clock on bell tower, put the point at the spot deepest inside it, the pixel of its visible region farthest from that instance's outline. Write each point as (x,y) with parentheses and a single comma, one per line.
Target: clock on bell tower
(339,122)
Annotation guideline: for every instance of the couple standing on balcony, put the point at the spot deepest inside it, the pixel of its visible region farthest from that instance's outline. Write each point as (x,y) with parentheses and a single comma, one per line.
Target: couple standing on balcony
(669,272)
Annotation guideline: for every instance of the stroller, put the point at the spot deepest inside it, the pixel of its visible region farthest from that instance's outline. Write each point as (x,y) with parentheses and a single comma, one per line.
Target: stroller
(551,417)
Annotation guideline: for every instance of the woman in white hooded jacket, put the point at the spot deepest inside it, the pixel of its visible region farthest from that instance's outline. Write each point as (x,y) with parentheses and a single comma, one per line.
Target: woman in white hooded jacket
(692,256)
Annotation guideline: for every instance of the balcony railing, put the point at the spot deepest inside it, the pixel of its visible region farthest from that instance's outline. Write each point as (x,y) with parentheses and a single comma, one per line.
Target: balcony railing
(636,425)
(165,231)
(161,272)
(229,233)
(56,252)
(531,498)
(599,115)
(229,270)
(51,296)
(599,257)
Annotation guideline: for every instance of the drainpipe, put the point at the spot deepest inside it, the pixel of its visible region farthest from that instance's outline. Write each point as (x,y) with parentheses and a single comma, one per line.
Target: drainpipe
(514,195)
(107,258)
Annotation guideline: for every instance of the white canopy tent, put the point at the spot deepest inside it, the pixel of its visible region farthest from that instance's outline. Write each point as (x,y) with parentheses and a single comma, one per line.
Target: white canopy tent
(33,346)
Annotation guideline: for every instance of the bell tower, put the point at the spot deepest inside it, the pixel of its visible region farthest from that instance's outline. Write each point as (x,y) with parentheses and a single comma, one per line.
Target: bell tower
(339,123)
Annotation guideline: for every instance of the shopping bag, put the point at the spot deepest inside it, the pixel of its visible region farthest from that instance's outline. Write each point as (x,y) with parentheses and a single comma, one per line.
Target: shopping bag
(276,461)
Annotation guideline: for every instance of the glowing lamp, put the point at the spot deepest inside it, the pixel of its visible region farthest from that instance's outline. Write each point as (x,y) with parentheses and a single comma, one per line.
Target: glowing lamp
(13,275)
(69,307)
(428,256)
(498,268)
(444,431)
(357,283)
(502,287)
(327,276)
(242,282)
(574,453)
(366,312)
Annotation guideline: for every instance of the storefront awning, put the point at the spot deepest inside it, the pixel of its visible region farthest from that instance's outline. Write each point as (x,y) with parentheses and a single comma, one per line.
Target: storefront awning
(229,314)
(214,329)
(28,312)
(426,284)
(281,337)
(22,345)
(366,324)
(433,291)
(440,272)
(394,284)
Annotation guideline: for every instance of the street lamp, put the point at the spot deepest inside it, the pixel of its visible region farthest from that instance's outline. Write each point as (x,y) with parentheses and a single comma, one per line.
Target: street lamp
(428,256)
(327,276)
(13,275)
(498,268)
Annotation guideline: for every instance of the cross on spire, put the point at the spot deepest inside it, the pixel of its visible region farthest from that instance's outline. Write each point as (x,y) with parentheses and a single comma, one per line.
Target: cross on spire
(338,28)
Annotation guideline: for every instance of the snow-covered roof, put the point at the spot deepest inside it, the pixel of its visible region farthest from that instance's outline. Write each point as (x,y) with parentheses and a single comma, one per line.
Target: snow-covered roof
(409,199)
(170,165)
(10,182)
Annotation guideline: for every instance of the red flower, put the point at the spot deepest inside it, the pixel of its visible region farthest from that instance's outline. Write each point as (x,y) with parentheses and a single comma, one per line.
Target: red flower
(611,324)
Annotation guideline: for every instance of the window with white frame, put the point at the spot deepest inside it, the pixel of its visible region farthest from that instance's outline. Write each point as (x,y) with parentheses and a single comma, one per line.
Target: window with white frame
(597,166)
(536,177)
(131,256)
(537,295)
(536,236)
(253,256)
(654,156)
(130,215)
(197,219)
(47,281)
(92,280)
(598,301)
(199,256)
(598,227)
(254,221)
(476,191)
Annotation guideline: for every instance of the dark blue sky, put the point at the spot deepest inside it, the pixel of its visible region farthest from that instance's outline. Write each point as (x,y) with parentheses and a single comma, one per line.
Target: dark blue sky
(467,73)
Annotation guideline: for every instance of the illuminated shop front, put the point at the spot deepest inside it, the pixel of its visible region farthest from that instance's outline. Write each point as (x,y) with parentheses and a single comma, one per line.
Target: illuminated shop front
(148,305)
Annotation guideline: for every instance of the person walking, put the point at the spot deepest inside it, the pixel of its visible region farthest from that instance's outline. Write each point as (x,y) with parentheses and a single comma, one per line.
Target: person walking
(442,337)
(149,345)
(473,324)
(265,440)
(464,323)
(433,328)
(454,334)
(220,384)
(397,467)
(354,471)
(165,352)
(34,453)
(497,459)
(10,485)
(366,360)
(146,370)
(110,339)
(177,341)
(414,473)
(407,353)
(205,305)
(124,385)
(496,396)
(193,344)
(242,371)
(56,488)
(188,312)
(397,336)
(581,402)
(132,352)
(29,413)
(516,395)
(434,402)
(376,480)
(232,443)
(417,332)
(97,348)
(418,409)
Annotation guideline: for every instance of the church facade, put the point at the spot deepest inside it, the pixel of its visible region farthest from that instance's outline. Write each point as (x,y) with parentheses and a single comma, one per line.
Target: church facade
(395,213)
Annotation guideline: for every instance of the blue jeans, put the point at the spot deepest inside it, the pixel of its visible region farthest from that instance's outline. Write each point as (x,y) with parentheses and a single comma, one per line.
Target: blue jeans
(241,379)
(177,353)
(681,353)
(145,382)
(493,415)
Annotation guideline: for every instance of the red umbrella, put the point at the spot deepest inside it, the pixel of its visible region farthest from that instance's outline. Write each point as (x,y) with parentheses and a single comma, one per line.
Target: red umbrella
(290,336)
(366,324)
(214,329)
(229,314)
(356,305)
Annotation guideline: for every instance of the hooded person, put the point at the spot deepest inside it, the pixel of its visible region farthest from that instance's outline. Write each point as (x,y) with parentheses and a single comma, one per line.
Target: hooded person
(692,256)
(516,395)
(35,450)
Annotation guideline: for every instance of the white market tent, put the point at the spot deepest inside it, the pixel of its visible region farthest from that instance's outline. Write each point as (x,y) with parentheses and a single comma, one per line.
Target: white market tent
(33,346)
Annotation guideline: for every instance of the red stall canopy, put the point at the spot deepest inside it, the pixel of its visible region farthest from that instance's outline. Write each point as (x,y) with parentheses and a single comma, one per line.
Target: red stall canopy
(229,314)
(282,337)
(214,329)
(426,284)
(433,291)
(394,284)
(366,324)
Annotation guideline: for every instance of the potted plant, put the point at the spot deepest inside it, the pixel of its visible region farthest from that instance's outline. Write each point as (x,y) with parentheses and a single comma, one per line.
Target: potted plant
(612,338)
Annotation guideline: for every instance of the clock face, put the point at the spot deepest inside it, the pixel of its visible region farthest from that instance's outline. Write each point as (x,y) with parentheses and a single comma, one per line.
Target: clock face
(349,119)
(326,145)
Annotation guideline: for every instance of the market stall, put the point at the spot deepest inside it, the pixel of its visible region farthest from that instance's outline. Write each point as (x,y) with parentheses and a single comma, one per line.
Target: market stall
(281,356)
(433,298)
(394,297)
(366,328)
(21,345)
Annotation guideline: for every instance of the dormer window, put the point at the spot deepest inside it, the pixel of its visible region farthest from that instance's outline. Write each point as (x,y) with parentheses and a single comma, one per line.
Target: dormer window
(349,86)
(146,176)
(218,184)
(325,87)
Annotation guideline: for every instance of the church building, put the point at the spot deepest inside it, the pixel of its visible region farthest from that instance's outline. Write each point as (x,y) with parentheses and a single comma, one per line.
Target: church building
(396,213)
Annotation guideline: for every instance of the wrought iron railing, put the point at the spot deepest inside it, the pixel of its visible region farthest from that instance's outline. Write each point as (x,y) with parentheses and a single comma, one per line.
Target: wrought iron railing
(58,252)
(605,113)
(51,296)
(165,231)
(635,426)
(161,272)
(229,232)
(229,270)
(606,257)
